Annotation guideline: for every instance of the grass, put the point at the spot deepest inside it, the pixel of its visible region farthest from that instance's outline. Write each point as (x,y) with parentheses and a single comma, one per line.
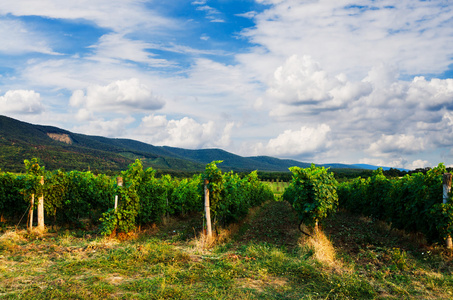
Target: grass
(277,187)
(264,257)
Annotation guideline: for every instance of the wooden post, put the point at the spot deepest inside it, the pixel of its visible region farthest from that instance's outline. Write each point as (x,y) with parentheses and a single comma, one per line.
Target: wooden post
(30,213)
(208,211)
(446,191)
(119,182)
(41,210)
(316,228)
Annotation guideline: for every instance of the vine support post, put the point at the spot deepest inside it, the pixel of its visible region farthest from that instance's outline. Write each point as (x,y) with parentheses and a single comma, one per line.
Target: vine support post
(207,209)
(119,182)
(41,209)
(316,228)
(447,177)
(30,213)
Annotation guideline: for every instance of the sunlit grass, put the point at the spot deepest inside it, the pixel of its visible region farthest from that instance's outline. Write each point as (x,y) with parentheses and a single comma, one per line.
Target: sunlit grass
(242,262)
(277,187)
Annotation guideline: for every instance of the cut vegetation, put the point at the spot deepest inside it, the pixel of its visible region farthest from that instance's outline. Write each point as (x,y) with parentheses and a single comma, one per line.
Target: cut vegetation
(263,257)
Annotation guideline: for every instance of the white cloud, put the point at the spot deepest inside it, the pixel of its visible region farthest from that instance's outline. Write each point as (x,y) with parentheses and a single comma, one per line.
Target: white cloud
(313,72)
(212,14)
(119,15)
(248,15)
(302,83)
(18,39)
(303,142)
(399,143)
(431,95)
(415,37)
(115,46)
(418,164)
(109,128)
(389,119)
(121,96)
(199,2)
(185,132)
(76,73)
(84,114)
(21,102)
(269,1)
(397,163)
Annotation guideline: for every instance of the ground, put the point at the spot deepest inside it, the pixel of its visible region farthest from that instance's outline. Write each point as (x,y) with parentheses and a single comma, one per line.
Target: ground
(263,257)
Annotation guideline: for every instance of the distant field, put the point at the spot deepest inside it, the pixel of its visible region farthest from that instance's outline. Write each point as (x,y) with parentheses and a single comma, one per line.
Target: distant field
(277,187)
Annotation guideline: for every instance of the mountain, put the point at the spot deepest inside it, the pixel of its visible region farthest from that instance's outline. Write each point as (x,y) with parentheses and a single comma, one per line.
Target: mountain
(371,167)
(61,149)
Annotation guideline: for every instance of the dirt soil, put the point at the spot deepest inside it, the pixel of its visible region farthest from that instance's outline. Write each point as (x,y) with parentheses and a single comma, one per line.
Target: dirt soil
(275,223)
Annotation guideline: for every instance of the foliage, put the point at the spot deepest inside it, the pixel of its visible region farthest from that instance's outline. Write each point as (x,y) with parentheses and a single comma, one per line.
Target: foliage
(412,202)
(214,179)
(12,204)
(152,198)
(34,172)
(77,195)
(55,192)
(33,168)
(82,198)
(186,197)
(122,219)
(312,193)
(230,195)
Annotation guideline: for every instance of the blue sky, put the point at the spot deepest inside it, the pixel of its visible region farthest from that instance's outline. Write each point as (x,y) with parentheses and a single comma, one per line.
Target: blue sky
(317,81)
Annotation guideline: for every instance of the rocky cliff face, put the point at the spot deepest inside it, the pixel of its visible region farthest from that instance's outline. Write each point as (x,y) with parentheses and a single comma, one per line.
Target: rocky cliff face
(65,138)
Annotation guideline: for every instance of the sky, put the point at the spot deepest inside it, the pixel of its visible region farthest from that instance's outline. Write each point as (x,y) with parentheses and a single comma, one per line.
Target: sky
(366,81)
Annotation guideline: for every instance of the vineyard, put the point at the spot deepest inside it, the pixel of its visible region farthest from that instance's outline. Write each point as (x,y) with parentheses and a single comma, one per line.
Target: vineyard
(141,236)
(412,203)
(80,198)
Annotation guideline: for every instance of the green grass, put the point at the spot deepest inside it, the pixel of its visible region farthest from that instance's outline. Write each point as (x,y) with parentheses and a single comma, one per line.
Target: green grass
(264,257)
(277,187)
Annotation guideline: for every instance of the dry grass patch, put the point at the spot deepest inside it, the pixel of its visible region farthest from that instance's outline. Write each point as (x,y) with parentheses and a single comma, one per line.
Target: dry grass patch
(13,236)
(115,279)
(323,250)
(202,243)
(259,285)
(106,242)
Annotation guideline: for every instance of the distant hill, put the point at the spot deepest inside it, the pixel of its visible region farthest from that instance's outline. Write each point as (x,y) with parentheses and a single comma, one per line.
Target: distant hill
(61,149)
(371,167)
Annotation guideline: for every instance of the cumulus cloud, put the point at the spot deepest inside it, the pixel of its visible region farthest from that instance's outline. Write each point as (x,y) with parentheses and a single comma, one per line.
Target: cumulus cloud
(380,115)
(121,96)
(301,82)
(21,102)
(311,83)
(110,128)
(297,143)
(354,38)
(399,143)
(185,132)
(434,94)
(418,164)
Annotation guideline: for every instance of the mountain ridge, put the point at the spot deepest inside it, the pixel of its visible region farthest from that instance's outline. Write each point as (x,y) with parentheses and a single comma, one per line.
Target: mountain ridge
(59,148)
